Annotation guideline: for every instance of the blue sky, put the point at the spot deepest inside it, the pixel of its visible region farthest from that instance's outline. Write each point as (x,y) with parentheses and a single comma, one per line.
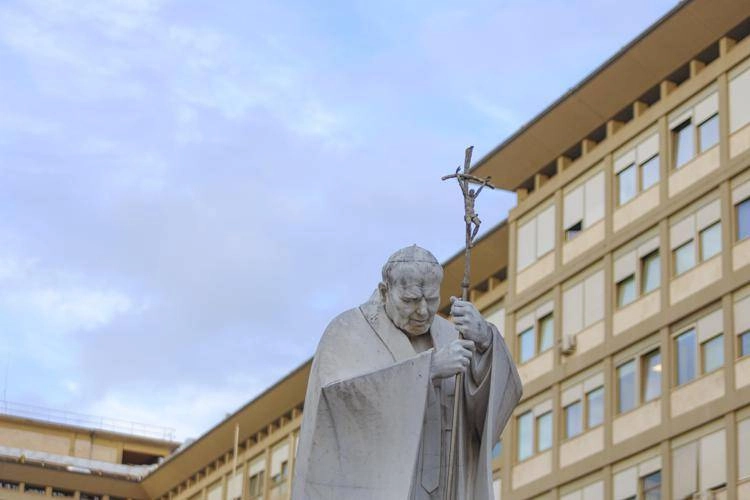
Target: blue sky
(191,190)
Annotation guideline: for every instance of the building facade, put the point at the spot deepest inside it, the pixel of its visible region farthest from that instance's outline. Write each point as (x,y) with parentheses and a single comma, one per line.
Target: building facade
(621,281)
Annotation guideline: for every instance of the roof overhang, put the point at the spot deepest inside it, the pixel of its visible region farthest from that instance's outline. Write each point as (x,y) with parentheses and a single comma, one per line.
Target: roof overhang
(673,40)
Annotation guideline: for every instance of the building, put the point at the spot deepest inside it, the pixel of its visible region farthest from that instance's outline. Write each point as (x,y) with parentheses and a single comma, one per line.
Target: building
(622,280)
(69,455)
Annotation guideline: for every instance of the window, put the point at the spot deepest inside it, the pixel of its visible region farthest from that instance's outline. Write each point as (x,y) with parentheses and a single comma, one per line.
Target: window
(626,291)
(626,387)
(713,353)
(525,435)
(626,185)
(700,348)
(255,484)
(637,272)
(573,419)
(682,138)
(536,237)
(710,241)
(708,133)
(649,172)
(745,344)
(686,362)
(739,101)
(637,169)
(535,430)
(544,431)
(583,304)
(704,463)
(650,272)
(583,405)
(689,140)
(526,345)
(537,332)
(742,324)
(546,333)
(703,226)
(574,230)
(583,206)
(651,486)
(684,258)
(638,380)
(595,406)
(652,375)
(743,219)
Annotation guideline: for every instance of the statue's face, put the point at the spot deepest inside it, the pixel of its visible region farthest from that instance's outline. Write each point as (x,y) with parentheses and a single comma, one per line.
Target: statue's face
(412,299)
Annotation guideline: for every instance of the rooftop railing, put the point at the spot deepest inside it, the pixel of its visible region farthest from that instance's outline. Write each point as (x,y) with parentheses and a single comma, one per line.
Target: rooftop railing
(87,421)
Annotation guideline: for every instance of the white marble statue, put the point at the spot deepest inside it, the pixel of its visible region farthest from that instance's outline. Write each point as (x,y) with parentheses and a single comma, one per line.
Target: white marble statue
(379,404)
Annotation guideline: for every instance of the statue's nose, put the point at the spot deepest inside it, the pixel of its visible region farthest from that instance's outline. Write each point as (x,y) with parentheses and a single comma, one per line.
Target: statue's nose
(422,308)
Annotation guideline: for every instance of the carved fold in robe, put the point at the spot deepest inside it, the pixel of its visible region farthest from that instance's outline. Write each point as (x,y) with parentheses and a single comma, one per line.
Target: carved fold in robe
(376,427)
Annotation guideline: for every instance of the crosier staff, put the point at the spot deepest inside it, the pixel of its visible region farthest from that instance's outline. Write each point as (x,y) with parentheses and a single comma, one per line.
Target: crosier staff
(472,222)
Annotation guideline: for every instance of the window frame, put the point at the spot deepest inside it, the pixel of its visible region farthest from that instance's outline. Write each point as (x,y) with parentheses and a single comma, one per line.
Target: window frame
(638,275)
(585,412)
(637,164)
(698,353)
(736,214)
(699,131)
(536,333)
(640,379)
(702,109)
(642,490)
(674,132)
(740,338)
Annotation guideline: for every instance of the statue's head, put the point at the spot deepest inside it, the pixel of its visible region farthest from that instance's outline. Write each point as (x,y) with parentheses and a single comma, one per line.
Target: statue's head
(410,289)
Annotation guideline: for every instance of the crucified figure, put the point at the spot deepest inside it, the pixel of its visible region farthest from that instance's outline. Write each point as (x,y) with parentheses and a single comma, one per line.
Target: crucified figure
(470,194)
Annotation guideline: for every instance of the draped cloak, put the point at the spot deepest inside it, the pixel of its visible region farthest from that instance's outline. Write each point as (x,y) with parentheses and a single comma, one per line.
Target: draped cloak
(376,427)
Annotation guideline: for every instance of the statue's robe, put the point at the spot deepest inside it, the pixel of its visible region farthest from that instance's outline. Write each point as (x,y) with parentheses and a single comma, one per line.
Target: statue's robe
(376,427)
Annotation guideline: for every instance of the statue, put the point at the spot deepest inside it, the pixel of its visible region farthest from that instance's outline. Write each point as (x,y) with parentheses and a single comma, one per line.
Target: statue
(379,406)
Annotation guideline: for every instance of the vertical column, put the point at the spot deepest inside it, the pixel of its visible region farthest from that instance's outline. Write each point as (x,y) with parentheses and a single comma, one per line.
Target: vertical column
(608,488)
(723,89)
(245,468)
(267,474)
(666,265)
(558,203)
(291,464)
(512,259)
(609,390)
(666,469)
(556,427)
(557,319)
(665,155)
(609,195)
(667,368)
(730,424)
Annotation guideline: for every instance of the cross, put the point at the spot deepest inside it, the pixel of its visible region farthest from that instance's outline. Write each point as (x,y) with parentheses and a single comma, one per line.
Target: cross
(471,219)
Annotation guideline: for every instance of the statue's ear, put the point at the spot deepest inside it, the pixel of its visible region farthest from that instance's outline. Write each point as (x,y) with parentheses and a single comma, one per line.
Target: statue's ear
(382,288)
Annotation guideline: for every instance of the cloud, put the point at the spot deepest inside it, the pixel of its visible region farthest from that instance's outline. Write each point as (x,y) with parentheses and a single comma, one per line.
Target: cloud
(191,192)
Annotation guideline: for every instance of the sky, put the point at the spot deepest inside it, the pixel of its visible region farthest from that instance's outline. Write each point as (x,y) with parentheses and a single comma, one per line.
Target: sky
(190,191)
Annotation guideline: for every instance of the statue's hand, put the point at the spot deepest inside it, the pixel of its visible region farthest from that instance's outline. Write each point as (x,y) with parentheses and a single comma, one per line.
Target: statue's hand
(451,359)
(470,323)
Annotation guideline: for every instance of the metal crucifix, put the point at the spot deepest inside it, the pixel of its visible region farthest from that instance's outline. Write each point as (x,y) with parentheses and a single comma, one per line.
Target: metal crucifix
(465,180)
(472,221)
